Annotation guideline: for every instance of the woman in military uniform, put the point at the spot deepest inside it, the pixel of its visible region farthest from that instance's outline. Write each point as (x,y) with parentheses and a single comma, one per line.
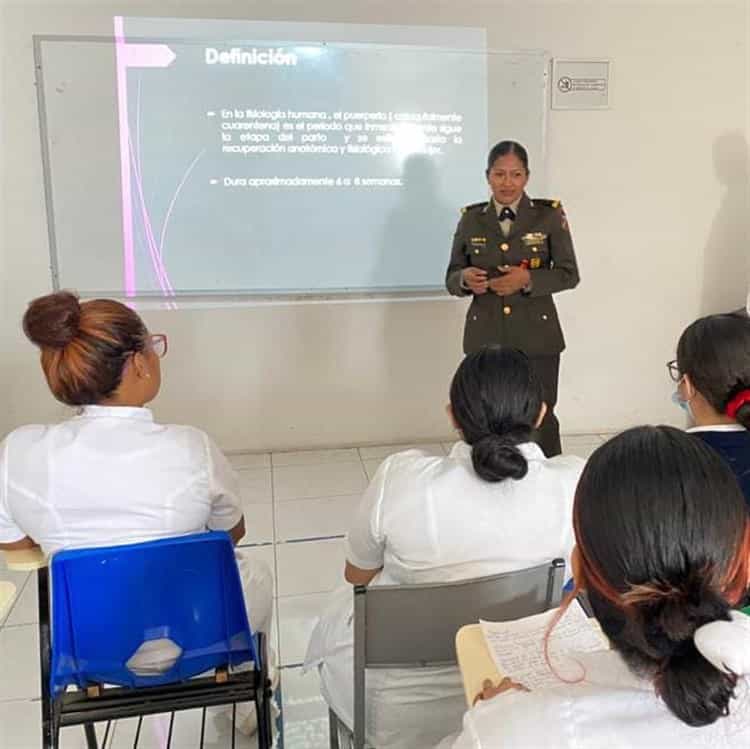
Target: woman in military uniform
(511,254)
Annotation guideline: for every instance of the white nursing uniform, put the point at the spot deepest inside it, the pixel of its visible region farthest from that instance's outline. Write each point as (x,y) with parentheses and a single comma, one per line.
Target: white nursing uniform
(612,708)
(432,519)
(112,475)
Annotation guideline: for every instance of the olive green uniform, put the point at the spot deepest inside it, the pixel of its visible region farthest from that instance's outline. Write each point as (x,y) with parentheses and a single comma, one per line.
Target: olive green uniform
(539,238)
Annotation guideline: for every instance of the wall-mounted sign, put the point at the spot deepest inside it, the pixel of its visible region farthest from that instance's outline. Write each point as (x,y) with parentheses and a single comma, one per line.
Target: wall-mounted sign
(581,84)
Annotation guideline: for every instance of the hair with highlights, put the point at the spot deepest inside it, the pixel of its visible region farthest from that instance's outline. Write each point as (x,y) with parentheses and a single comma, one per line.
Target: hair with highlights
(663,538)
(84,345)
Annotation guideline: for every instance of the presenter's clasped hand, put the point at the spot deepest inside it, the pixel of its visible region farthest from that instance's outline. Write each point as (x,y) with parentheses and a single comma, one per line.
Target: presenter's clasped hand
(475,280)
(514,279)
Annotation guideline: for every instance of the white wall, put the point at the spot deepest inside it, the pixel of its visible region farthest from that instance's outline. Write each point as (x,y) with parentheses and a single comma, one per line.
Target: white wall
(655,189)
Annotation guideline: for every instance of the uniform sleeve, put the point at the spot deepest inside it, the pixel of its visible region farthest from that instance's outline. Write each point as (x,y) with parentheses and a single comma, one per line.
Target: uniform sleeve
(564,273)
(467,739)
(457,263)
(9,531)
(226,510)
(365,541)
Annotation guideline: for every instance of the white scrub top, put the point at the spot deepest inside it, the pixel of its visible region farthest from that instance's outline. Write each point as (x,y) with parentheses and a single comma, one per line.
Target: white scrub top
(611,708)
(111,475)
(432,519)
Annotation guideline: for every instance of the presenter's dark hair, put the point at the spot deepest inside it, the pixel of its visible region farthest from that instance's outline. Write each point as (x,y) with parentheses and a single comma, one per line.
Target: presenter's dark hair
(714,352)
(663,539)
(84,345)
(496,401)
(504,148)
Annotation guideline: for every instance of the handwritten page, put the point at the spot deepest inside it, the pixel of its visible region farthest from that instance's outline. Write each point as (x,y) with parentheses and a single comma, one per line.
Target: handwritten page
(517,647)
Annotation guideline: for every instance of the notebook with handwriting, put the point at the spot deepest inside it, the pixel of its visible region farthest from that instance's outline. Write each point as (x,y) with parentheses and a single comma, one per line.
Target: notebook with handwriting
(517,647)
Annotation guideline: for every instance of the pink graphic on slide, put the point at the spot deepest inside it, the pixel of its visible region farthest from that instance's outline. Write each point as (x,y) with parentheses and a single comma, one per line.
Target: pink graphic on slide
(133,55)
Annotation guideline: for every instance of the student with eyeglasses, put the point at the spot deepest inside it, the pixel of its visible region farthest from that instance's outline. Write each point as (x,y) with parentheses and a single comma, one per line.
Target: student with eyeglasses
(663,552)
(712,372)
(111,474)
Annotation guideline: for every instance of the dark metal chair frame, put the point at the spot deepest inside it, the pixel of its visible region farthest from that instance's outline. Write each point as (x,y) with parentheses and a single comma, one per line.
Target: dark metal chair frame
(72,708)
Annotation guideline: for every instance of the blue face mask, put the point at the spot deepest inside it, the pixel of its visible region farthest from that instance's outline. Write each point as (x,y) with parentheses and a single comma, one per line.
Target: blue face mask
(684,405)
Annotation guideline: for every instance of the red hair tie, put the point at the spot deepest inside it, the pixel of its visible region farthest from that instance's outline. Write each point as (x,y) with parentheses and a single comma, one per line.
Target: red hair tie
(737,403)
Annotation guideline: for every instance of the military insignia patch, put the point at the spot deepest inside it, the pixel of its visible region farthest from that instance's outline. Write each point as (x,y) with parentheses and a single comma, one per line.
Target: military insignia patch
(535,262)
(533,238)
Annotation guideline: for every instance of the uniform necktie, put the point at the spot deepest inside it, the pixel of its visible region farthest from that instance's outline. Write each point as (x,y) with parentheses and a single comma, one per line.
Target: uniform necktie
(507,214)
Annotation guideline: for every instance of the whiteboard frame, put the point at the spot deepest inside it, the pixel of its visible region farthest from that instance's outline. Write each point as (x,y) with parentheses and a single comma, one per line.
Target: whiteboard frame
(236,298)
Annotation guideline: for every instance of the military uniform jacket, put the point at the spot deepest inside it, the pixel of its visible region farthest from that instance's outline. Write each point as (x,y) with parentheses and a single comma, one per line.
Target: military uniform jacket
(540,239)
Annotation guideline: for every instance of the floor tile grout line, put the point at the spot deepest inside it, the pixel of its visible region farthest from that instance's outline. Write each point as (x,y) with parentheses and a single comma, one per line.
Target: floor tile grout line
(15,603)
(311,539)
(22,624)
(325,592)
(322,496)
(275,610)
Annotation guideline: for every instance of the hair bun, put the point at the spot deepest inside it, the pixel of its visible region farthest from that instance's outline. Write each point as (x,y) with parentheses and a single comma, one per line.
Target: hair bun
(53,321)
(496,457)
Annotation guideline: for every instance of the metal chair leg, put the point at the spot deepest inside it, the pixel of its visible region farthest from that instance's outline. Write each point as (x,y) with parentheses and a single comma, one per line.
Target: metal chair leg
(333,730)
(261,720)
(171,728)
(203,727)
(263,696)
(90,731)
(49,730)
(137,732)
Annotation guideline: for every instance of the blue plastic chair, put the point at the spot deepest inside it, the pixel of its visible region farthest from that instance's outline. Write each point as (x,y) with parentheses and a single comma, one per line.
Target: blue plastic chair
(106,602)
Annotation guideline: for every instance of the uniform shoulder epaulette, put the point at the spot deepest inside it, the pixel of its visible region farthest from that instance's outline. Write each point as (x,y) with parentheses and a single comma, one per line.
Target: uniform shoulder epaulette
(547,202)
(471,207)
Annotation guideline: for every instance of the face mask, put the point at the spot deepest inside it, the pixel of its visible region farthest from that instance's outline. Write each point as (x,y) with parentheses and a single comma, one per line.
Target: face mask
(684,405)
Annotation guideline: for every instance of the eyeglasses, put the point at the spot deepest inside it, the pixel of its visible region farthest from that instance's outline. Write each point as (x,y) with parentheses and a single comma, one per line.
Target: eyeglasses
(158,344)
(674,370)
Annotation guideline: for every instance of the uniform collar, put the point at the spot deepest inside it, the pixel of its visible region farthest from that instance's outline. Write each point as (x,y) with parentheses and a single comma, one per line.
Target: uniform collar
(718,428)
(115,412)
(530,450)
(513,206)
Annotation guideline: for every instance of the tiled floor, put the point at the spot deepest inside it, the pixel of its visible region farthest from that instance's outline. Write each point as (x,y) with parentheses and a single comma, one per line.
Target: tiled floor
(297,506)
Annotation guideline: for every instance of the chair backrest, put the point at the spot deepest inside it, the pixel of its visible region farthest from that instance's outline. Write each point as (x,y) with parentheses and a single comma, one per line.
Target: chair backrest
(107,602)
(415,625)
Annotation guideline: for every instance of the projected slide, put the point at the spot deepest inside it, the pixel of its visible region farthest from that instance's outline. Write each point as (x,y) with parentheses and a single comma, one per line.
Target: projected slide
(294,158)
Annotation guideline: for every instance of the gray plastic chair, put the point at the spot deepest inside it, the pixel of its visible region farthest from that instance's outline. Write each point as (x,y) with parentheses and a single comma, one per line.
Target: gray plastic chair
(414,626)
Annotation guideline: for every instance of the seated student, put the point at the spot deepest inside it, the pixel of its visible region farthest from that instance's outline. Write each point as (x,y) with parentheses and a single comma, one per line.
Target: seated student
(495,504)
(712,370)
(110,474)
(663,551)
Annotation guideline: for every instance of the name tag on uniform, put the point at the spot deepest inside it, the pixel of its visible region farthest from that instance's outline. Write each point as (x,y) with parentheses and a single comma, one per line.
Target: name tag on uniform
(533,237)
(477,244)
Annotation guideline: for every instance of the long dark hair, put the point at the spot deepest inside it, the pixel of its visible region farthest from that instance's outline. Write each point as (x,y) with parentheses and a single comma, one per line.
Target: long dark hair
(84,345)
(664,541)
(496,401)
(714,352)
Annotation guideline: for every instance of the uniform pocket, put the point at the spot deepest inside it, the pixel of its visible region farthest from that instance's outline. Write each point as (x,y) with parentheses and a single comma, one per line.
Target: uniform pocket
(538,253)
(541,325)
